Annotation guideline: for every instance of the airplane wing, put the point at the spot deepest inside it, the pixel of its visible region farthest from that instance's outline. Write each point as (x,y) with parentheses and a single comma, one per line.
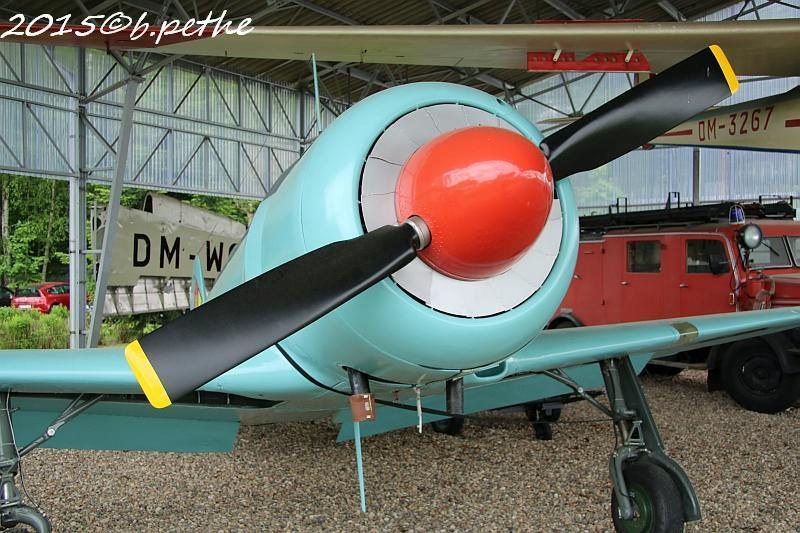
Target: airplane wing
(754,47)
(759,47)
(519,380)
(44,382)
(658,338)
(771,123)
(119,423)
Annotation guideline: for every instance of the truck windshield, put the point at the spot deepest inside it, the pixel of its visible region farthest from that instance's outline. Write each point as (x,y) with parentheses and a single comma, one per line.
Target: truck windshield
(794,247)
(771,254)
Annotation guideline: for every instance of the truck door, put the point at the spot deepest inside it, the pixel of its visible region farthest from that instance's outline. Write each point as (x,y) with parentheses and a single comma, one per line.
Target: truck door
(706,280)
(647,270)
(585,299)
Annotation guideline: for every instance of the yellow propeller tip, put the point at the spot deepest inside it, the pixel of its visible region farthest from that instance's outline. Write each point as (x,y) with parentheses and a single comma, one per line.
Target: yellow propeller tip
(725,66)
(146,376)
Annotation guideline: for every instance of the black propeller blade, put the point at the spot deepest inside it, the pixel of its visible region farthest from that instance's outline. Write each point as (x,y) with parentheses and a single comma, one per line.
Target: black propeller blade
(225,331)
(641,114)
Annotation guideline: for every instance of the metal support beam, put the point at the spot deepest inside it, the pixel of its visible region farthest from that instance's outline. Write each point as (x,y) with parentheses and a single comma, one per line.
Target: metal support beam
(696,176)
(77,224)
(463,18)
(461,14)
(670,9)
(357,73)
(110,232)
(325,11)
(566,9)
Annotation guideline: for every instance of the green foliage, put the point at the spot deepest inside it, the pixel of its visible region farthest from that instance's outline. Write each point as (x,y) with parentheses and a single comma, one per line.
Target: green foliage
(30,329)
(20,329)
(99,195)
(595,187)
(236,209)
(124,329)
(37,229)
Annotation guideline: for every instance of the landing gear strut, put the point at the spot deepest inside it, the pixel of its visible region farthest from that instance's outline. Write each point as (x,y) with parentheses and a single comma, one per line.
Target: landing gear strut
(651,491)
(12,511)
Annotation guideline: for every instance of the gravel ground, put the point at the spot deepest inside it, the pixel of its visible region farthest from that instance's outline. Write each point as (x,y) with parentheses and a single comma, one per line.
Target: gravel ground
(744,465)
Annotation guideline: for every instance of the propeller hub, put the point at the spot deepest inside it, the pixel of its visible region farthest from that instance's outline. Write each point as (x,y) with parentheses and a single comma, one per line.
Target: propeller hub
(484,193)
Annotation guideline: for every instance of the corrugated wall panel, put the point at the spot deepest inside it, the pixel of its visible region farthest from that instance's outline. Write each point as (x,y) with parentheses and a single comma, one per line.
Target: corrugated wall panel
(766,10)
(195,129)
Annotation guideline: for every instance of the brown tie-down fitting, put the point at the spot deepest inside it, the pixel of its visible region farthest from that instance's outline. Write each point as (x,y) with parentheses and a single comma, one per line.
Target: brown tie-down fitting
(363,407)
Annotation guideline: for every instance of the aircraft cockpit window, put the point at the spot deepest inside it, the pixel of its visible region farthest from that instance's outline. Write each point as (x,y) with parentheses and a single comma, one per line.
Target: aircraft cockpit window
(772,253)
(644,256)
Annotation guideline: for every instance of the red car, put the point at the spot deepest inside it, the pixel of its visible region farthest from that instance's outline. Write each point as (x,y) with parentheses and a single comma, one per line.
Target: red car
(42,296)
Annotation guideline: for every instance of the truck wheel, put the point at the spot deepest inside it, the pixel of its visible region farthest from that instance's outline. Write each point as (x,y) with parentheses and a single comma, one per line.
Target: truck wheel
(448,426)
(659,508)
(753,377)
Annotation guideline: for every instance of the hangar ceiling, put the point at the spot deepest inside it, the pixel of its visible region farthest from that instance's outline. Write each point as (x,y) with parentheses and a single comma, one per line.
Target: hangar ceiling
(351,81)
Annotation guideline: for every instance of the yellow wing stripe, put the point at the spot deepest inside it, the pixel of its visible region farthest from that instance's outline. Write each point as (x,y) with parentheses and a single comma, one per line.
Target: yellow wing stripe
(727,70)
(146,376)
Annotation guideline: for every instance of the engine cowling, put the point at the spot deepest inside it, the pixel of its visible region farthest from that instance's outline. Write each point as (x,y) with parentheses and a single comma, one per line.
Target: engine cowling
(421,324)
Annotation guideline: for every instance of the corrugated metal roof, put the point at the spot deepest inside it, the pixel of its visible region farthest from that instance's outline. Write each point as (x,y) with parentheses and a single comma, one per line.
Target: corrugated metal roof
(337,12)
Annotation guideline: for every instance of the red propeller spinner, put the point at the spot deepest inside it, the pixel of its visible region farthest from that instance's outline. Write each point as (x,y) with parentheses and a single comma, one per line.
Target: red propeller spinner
(484,193)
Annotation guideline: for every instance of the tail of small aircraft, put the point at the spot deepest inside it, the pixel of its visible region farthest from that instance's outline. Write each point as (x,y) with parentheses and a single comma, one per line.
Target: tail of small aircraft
(199,293)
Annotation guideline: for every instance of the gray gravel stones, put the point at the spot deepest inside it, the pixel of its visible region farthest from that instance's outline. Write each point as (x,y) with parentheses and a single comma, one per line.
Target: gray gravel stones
(745,466)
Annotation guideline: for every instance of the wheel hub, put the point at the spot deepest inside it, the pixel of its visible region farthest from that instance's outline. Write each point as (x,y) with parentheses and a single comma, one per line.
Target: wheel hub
(761,374)
(643,505)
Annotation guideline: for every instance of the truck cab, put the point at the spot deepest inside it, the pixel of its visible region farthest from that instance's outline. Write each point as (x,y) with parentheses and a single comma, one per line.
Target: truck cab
(677,262)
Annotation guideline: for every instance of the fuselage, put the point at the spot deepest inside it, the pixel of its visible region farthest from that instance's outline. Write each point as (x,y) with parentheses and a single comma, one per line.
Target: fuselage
(386,332)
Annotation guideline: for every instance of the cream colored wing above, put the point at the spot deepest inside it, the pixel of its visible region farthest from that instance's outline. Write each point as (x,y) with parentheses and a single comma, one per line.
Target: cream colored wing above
(760,47)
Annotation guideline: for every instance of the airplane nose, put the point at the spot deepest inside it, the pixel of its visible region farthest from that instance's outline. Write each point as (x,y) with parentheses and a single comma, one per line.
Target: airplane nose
(485,194)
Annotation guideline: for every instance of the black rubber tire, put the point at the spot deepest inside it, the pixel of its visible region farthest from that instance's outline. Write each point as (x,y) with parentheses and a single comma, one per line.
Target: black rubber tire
(563,324)
(449,426)
(751,374)
(656,496)
(543,431)
(531,409)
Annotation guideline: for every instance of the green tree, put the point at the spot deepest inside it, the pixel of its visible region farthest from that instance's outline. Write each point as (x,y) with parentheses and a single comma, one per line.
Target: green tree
(34,229)
(234,208)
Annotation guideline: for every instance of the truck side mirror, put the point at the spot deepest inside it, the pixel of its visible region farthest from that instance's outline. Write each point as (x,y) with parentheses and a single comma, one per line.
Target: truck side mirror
(718,264)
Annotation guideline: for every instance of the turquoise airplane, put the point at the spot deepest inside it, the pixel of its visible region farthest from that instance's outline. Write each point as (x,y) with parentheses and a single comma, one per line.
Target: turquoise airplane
(402,272)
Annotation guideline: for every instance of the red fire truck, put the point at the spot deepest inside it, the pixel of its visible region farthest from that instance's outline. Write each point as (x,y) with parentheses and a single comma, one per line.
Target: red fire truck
(686,261)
